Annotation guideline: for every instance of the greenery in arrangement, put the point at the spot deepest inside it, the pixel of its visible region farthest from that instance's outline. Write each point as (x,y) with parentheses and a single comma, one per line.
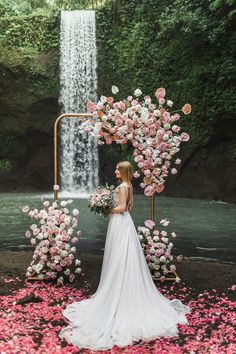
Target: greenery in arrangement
(187,47)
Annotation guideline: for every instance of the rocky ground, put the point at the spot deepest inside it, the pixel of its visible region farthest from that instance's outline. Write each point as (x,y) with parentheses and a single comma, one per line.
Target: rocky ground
(196,274)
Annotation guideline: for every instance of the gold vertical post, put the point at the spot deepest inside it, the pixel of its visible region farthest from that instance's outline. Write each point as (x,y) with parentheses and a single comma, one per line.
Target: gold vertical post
(56,170)
(152,207)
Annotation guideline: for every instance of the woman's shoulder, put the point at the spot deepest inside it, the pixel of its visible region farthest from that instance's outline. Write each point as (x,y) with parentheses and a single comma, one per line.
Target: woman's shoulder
(126,185)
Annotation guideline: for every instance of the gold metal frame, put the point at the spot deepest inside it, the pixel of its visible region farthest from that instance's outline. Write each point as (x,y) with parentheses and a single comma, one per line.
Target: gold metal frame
(65,115)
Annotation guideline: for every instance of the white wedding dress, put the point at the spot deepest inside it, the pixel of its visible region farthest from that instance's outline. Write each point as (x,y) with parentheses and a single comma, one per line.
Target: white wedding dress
(127,306)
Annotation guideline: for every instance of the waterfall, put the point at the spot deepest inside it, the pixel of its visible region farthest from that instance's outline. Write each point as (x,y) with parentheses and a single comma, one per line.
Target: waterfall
(78,82)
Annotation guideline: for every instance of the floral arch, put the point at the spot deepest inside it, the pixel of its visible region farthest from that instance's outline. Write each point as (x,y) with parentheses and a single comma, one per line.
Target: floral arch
(153,132)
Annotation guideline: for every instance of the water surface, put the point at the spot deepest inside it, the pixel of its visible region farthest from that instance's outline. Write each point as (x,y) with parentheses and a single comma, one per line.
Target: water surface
(204,228)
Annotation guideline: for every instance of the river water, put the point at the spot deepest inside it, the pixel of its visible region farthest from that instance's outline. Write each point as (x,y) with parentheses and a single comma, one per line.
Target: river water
(205,229)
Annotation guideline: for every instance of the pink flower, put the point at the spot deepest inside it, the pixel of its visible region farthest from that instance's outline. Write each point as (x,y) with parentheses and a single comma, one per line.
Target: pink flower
(74,240)
(27,234)
(184,137)
(149,223)
(56,187)
(164,222)
(71,277)
(91,107)
(25,209)
(149,190)
(160,188)
(186,109)
(177,161)
(173,234)
(33,242)
(161,100)
(173,171)
(160,93)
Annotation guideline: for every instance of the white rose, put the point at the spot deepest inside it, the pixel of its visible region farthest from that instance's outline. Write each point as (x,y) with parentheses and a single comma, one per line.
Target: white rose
(165,137)
(157,113)
(144,117)
(39,236)
(114,89)
(103,99)
(66,211)
(63,203)
(70,231)
(78,270)
(158,161)
(169,103)
(152,250)
(38,267)
(166,126)
(75,212)
(77,262)
(63,253)
(57,259)
(137,92)
(67,271)
(162,259)
(73,249)
(67,219)
(33,226)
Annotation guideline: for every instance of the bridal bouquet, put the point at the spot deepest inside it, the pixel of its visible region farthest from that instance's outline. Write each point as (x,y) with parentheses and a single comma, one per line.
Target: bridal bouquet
(149,124)
(102,200)
(52,236)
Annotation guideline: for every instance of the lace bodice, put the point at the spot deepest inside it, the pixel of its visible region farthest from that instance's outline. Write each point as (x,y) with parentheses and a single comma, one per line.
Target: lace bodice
(116,194)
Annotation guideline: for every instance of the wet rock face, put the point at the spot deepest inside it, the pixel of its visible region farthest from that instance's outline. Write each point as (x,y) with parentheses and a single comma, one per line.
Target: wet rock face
(27,114)
(207,172)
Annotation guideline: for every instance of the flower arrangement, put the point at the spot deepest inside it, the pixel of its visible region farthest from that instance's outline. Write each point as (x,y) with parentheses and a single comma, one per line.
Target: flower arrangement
(148,125)
(51,234)
(157,249)
(102,200)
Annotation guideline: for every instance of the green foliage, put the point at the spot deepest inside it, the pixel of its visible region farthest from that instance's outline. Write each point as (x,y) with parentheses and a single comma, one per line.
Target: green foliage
(5,166)
(187,47)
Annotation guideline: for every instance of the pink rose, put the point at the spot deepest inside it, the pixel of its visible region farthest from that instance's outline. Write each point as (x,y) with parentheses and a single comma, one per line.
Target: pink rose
(160,93)
(177,161)
(149,223)
(176,128)
(71,277)
(27,234)
(173,171)
(184,137)
(91,107)
(149,190)
(160,188)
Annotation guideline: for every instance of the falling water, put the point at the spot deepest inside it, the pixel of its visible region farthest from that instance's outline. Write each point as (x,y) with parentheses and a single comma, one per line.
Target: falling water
(78,80)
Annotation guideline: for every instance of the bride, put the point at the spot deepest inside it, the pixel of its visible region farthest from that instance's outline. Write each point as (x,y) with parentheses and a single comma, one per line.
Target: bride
(127,306)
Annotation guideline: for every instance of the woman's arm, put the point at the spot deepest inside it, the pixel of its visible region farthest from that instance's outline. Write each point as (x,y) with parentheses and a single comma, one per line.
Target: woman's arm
(122,198)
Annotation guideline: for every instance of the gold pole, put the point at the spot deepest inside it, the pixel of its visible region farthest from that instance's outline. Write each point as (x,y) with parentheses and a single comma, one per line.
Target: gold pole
(65,115)
(152,207)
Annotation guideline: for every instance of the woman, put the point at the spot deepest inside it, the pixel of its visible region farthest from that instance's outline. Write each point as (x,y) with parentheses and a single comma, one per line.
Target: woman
(127,306)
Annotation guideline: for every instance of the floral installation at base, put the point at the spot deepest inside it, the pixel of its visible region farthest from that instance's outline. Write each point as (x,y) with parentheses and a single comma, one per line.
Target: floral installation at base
(149,126)
(33,327)
(102,200)
(52,235)
(157,248)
